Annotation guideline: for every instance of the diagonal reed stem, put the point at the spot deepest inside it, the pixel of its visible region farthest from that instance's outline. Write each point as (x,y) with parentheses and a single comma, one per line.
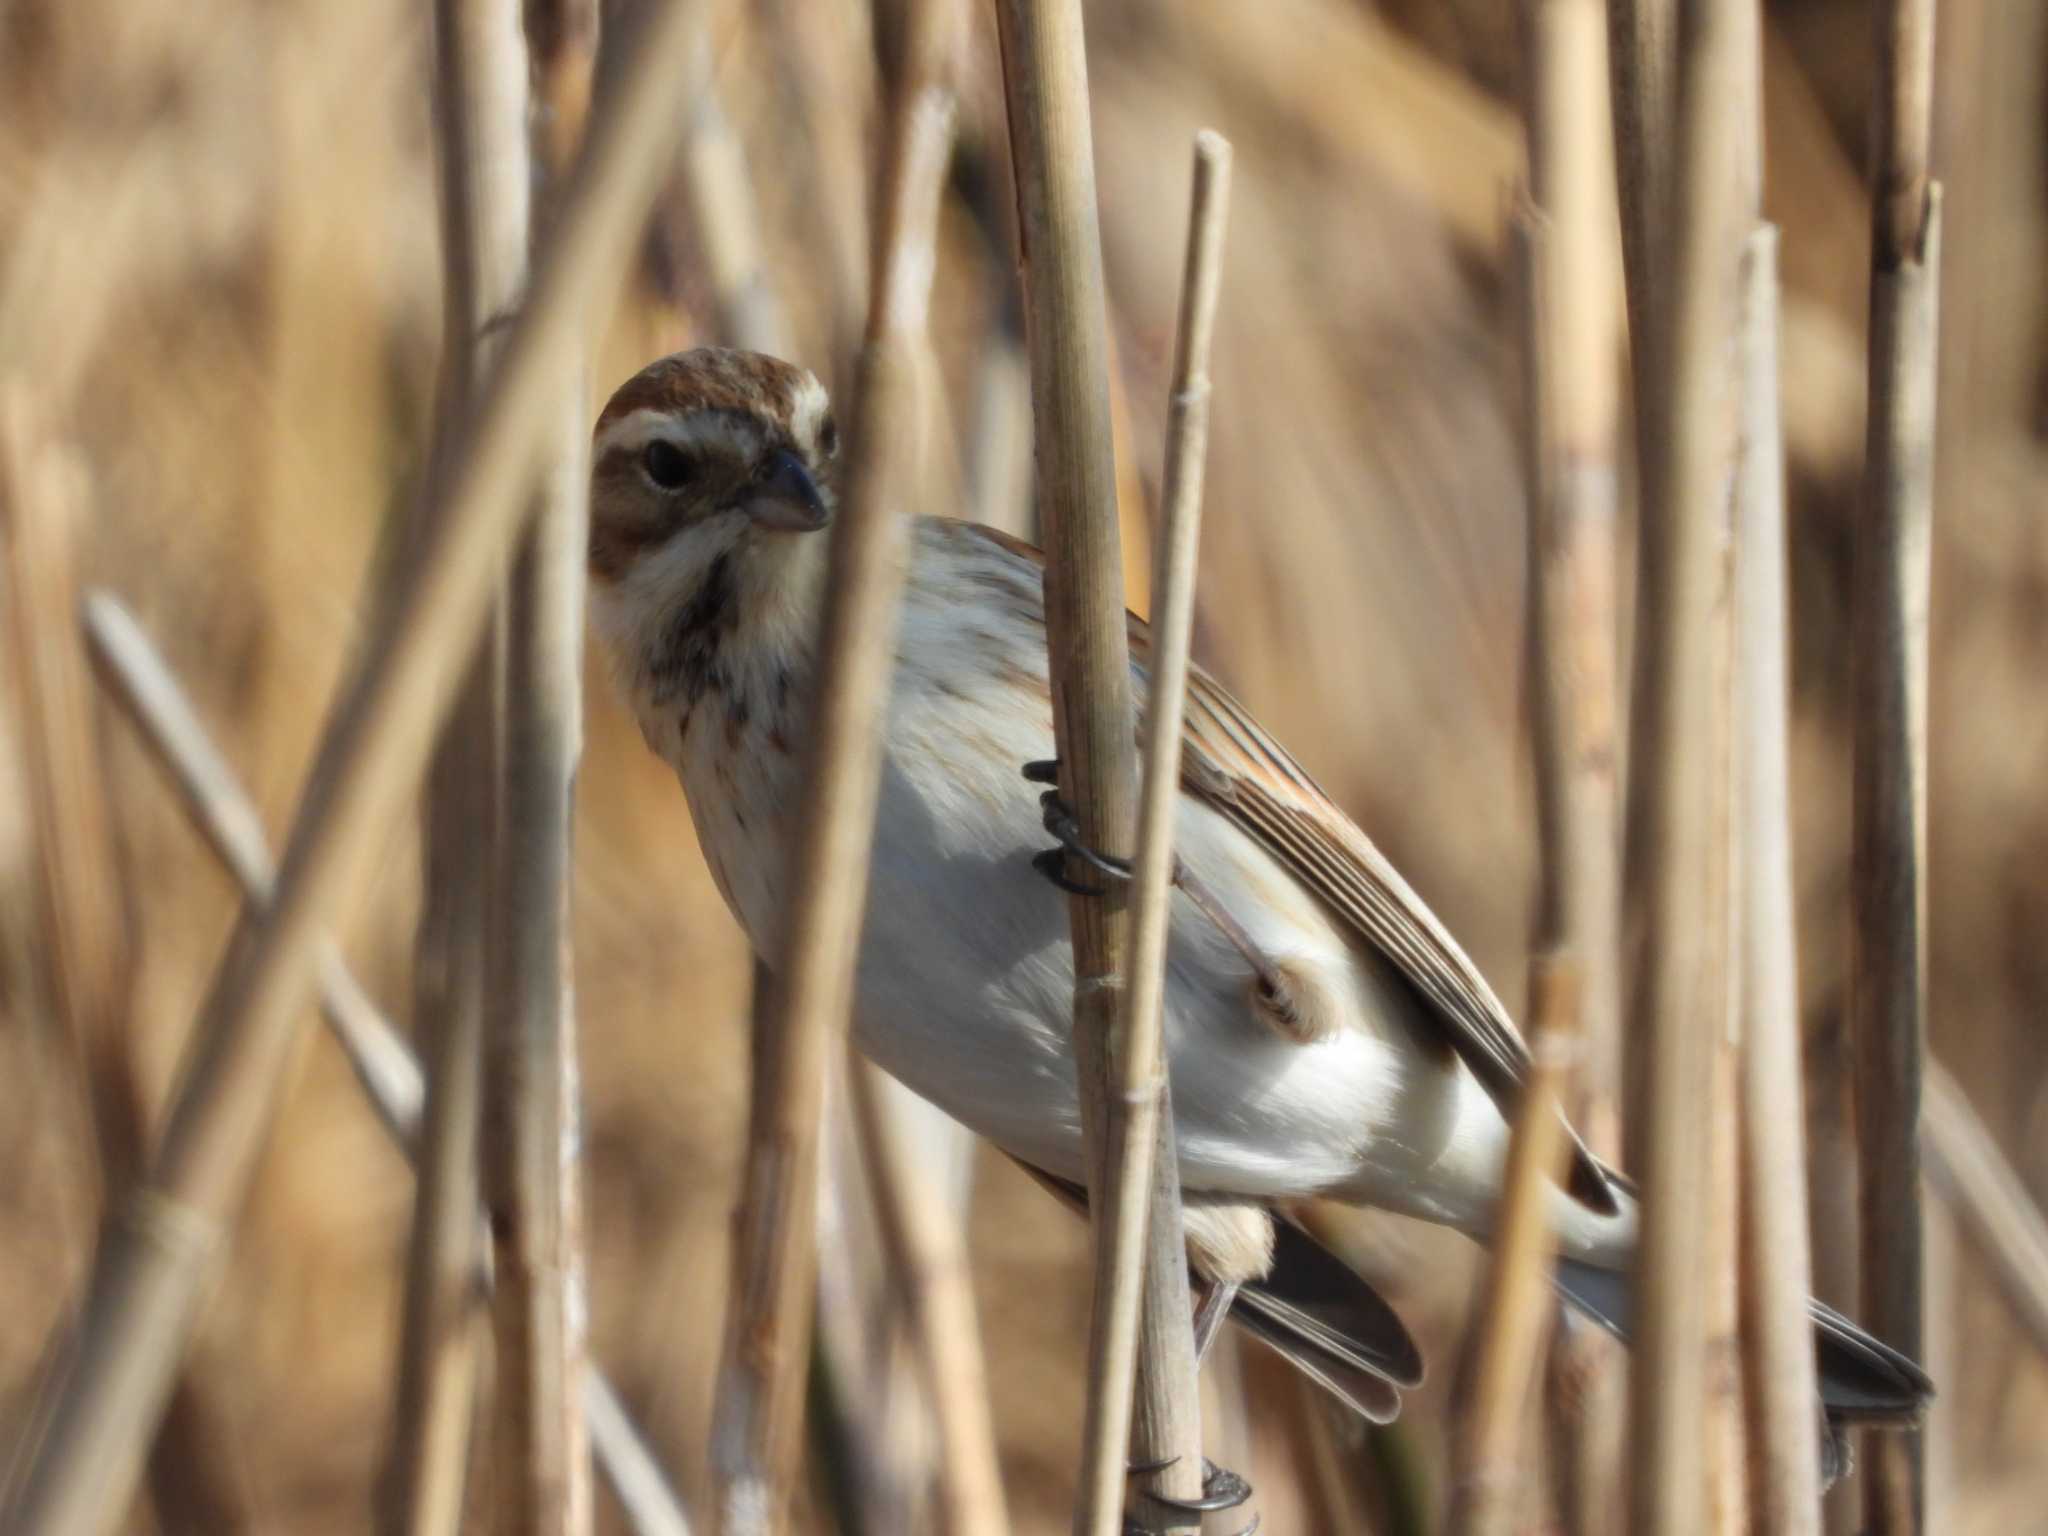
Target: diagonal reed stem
(139,682)
(157,1262)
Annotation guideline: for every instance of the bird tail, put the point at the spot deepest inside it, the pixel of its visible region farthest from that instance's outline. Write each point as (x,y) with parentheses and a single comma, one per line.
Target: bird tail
(1863,1380)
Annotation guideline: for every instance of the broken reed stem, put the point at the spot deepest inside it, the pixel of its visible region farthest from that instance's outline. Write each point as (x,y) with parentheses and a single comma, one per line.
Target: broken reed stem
(480,110)
(1776,1276)
(1965,1165)
(1676,853)
(767,1336)
(1045,91)
(1489,1495)
(929,1258)
(1889,594)
(153,1268)
(86,955)
(1140,1326)
(531,1131)
(227,820)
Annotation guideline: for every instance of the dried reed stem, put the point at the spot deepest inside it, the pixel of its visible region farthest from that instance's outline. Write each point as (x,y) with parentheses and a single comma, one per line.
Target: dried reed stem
(1569,278)
(153,1268)
(1142,1310)
(766,1354)
(480,124)
(139,682)
(1488,1494)
(1676,853)
(86,954)
(1776,1277)
(1643,71)
(1965,1165)
(1045,89)
(929,1260)
(1888,693)
(531,1132)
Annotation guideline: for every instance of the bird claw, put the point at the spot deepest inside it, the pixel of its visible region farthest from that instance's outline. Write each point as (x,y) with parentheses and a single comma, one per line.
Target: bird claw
(1060,822)
(1221,1489)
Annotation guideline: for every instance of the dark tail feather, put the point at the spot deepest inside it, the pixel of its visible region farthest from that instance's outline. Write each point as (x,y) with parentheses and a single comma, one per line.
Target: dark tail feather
(1862,1379)
(1331,1326)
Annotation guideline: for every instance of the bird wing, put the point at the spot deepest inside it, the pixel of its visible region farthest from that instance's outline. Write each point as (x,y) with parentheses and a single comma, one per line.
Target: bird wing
(1230,762)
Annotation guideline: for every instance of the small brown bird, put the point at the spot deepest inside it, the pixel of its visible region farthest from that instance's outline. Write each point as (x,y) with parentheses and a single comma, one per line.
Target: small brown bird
(1326,1035)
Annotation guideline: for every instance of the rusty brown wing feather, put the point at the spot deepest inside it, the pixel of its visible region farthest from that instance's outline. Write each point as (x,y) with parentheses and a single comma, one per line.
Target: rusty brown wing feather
(1229,761)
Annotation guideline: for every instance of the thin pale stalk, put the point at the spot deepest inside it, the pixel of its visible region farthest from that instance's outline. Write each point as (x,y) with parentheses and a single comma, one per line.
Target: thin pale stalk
(532,1136)
(1784,1458)
(227,820)
(154,1266)
(1889,595)
(1141,1285)
(1677,846)
(479,115)
(767,1338)
(86,950)
(1969,1172)
(1045,91)
(927,1252)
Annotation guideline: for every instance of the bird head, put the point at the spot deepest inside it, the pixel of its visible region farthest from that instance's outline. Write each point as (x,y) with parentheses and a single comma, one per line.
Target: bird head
(707,452)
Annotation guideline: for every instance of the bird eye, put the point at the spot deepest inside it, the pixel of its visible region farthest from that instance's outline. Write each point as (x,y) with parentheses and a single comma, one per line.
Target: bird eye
(666,465)
(828,438)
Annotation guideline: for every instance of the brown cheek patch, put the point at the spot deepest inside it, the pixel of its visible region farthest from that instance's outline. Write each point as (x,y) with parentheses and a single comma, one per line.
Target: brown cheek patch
(617,539)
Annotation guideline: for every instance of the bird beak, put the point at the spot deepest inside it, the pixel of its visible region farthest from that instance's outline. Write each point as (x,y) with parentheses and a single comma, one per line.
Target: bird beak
(785,497)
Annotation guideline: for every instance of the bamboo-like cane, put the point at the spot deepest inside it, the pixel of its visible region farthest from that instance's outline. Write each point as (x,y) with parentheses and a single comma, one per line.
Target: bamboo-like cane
(531,1132)
(1045,89)
(153,1269)
(480,109)
(194,1477)
(227,820)
(767,1336)
(930,1263)
(1676,848)
(1784,1459)
(1888,692)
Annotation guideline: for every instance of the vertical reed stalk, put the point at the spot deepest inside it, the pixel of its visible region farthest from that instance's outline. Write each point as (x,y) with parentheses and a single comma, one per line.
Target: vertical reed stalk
(1888,691)
(1569,281)
(480,124)
(766,1355)
(532,1136)
(1776,1278)
(1143,1310)
(154,1266)
(1676,852)
(227,820)
(1045,89)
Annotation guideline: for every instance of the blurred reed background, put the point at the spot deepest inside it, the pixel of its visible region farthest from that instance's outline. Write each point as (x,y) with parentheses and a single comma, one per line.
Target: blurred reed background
(220,291)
